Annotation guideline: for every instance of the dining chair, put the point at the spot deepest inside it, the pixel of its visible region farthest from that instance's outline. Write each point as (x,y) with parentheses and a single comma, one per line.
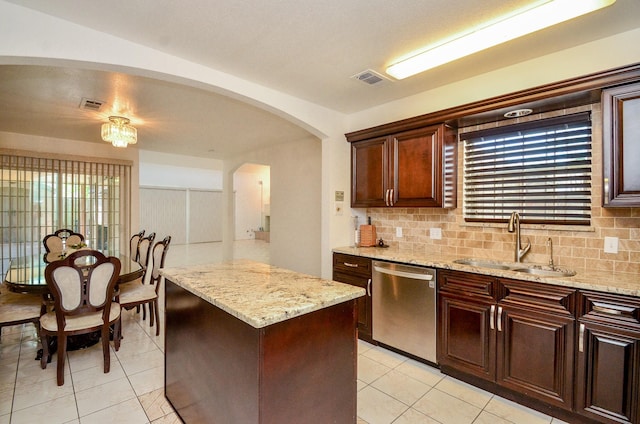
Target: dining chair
(53,242)
(133,245)
(83,286)
(144,249)
(143,258)
(19,308)
(146,292)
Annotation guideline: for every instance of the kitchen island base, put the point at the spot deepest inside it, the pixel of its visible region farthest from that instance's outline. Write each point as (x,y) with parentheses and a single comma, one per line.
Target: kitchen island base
(219,369)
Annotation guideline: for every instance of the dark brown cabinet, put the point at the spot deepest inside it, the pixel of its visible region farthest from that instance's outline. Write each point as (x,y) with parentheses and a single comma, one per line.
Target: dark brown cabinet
(356,270)
(415,168)
(621,145)
(515,334)
(466,323)
(535,336)
(608,358)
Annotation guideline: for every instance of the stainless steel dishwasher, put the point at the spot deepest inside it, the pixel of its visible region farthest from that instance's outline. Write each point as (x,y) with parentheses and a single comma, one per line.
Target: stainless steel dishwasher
(404,308)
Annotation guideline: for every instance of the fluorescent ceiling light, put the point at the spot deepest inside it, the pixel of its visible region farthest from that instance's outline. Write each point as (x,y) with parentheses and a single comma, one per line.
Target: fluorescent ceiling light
(542,16)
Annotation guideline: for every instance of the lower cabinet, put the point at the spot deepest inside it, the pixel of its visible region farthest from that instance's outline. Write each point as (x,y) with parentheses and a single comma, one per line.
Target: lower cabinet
(466,323)
(516,335)
(356,270)
(535,355)
(608,358)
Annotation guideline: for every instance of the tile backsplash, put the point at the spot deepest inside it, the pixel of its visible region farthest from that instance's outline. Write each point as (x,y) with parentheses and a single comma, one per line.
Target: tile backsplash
(573,247)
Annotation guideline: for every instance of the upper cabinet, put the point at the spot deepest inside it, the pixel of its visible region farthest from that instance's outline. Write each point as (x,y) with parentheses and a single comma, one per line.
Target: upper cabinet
(621,145)
(415,168)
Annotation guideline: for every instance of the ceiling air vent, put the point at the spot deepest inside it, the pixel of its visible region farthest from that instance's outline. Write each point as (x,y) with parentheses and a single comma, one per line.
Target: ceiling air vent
(91,104)
(370,77)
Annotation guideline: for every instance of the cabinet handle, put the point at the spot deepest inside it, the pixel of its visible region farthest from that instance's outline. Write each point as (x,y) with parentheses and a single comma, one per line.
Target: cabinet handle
(369,287)
(391,197)
(499,318)
(608,311)
(350,265)
(605,186)
(581,339)
(492,315)
(386,197)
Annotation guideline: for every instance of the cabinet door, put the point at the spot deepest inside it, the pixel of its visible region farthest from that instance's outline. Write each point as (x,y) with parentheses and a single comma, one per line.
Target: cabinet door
(364,304)
(356,270)
(535,354)
(608,367)
(416,168)
(369,172)
(466,335)
(621,145)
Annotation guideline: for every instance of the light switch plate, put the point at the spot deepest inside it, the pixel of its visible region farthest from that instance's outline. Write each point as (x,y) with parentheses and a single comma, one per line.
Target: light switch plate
(435,233)
(339,207)
(611,245)
(398,231)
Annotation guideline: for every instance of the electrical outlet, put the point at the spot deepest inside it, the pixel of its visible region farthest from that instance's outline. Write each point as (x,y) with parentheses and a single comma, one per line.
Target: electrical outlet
(398,231)
(611,245)
(435,233)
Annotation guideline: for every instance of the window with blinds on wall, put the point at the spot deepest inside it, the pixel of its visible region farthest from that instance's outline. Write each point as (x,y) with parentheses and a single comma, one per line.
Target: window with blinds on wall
(541,169)
(40,195)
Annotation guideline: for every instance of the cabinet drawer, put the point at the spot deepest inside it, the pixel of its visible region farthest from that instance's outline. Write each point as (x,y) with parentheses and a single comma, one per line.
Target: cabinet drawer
(472,285)
(352,264)
(540,296)
(611,308)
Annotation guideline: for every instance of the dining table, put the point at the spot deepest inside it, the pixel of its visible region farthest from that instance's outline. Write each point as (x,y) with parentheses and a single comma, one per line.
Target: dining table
(26,275)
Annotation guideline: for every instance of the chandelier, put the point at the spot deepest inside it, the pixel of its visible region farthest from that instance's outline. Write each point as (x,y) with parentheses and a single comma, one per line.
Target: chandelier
(118,132)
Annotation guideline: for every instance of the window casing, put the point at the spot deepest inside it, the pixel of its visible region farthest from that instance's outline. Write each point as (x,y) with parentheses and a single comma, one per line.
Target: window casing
(541,169)
(42,194)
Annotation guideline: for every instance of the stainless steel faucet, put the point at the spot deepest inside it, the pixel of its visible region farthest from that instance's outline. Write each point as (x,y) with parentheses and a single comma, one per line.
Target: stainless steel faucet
(514,225)
(550,244)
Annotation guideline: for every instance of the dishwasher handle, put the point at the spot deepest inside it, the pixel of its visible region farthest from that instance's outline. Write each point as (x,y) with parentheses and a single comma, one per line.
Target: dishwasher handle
(398,273)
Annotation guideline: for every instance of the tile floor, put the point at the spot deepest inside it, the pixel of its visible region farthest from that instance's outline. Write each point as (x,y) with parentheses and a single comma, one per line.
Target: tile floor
(391,388)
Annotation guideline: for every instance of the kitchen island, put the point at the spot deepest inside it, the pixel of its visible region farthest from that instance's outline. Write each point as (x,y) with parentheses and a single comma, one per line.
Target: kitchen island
(247,342)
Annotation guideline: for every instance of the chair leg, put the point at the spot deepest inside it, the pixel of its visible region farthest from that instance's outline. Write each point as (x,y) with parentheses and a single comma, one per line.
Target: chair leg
(44,339)
(157,314)
(105,348)
(62,354)
(144,312)
(117,334)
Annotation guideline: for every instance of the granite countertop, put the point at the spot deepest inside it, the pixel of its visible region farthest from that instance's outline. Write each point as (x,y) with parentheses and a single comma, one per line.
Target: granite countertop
(260,294)
(627,284)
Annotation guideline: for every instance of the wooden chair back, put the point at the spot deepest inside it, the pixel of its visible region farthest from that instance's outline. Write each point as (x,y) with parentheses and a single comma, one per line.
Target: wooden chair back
(144,249)
(83,282)
(160,250)
(53,242)
(134,252)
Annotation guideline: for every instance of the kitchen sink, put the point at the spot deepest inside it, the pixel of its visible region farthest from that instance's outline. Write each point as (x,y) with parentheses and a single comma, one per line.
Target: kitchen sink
(546,272)
(542,270)
(482,263)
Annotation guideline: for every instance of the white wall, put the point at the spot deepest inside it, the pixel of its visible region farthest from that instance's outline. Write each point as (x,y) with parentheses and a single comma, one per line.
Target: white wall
(251,186)
(168,170)
(190,174)
(295,174)
(247,204)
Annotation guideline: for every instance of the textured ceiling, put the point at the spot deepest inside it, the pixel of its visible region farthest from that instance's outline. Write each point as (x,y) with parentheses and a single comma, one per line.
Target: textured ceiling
(308,49)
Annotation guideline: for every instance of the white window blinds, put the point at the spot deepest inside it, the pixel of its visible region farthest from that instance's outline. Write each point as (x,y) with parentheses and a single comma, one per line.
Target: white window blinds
(41,194)
(540,169)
